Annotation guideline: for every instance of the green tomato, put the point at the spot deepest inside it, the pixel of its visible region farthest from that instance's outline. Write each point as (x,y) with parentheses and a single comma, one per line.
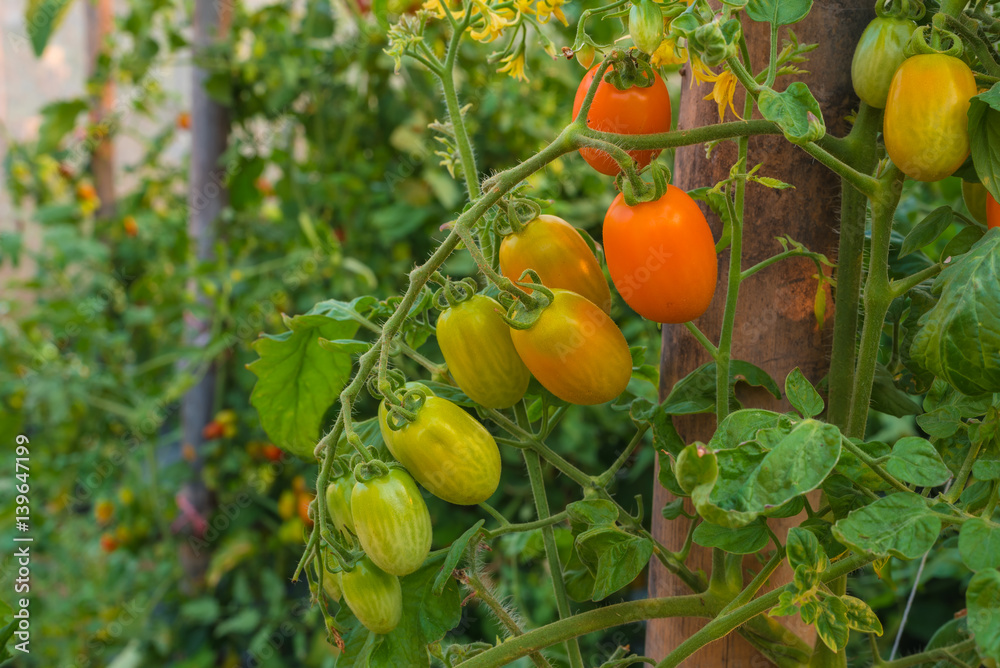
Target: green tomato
(331,585)
(392,522)
(645,24)
(694,468)
(879,53)
(338,502)
(476,344)
(447,450)
(373,595)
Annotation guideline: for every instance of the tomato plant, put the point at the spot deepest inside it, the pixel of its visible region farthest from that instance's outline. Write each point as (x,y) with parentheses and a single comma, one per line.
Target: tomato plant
(391,521)
(373,595)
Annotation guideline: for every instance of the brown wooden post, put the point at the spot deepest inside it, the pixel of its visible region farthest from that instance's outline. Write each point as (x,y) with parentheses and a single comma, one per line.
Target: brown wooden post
(776,327)
(207,198)
(100,19)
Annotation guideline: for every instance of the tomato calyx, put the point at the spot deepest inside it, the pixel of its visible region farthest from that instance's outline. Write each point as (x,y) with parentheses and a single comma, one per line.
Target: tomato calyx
(931,39)
(635,190)
(900,9)
(522,314)
(629,69)
(515,222)
(452,293)
(370,470)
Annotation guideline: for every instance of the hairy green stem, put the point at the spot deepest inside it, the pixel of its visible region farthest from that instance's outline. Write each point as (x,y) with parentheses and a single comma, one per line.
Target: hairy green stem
(482,592)
(702,339)
(605,478)
(870,462)
(932,655)
(551,520)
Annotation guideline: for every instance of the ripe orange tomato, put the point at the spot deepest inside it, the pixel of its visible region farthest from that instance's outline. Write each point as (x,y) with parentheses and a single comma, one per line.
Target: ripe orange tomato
(131,227)
(184,120)
(992,212)
(926,116)
(558,252)
(576,351)
(635,111)
(661,256)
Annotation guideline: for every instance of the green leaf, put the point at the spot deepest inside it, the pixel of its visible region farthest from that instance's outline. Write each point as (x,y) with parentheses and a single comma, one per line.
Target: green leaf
(843,495)
(942,422)
(614,557)
(795,111)
(898,525)
(674,509)
(961,243)
(298,379)
(744,425)
(802,395)
(953,632)
(695,392)
(749,539)
(983,601)
(803,549)
(927,230)
(889,399)
(860,616)
(915,460)
(832,624)
(979,544)
(593,512)
(984,138)
(778,12)
(454,556)
(58,119)
(43,17)
(959,339)
(242,623)
(786,604)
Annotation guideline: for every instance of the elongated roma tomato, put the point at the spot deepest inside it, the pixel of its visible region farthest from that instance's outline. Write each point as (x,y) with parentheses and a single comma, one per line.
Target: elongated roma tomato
(661,256)
(926,122)
(879,52)
(392,522)
(558,252)
(992,212)
(576,351)
(447,450)
(476,344)
(338,502)
(635,111)
(373,595)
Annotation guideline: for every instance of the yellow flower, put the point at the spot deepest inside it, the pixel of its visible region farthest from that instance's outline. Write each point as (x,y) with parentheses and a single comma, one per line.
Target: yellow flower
(723,92)
(550,8)
(668,53)
(700,72)
(514,66)
(493,24)
(437,6)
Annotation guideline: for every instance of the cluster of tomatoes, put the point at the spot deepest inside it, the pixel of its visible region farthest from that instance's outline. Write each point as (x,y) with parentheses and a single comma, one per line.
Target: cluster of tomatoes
(926,99)
(661,257)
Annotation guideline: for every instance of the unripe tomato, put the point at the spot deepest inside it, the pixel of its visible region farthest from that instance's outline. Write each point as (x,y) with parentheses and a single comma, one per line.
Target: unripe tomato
(476,345)
(585,55)
(338,502)
(879,53)
(576,351)
(635,111)
(661,256)
(331,585)
(645,25)
(104,510)
(992,212)
(303,501)
(373,595)
(695,467)
(447,450)
(287,504)
(392,522)
(974,195)
(926,122)
(560,256)
(131,227)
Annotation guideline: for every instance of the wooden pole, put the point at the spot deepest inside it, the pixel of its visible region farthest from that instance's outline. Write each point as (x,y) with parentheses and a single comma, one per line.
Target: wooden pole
(776,327)
(207,198)
(100,20)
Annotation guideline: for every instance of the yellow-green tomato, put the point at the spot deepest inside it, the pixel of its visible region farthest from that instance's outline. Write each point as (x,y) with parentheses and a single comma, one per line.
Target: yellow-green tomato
(338,502)
(392,522)
(879,52)
(576,351)
(373,595)
(476,344)
(926,116)
(331,585)
(447,450)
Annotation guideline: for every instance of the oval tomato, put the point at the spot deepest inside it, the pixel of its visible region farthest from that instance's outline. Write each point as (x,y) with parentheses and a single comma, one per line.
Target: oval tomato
(338,502)
(576,351)
(635,111)
(331,585)
(992,211)
(373,595)
(661,256)
(879,53)
(392,522)
(926,123)
(447,451)
(476,345)
(560,256)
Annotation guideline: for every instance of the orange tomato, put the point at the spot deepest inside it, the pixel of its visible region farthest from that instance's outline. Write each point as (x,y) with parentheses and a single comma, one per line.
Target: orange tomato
(992,212)
(184,120)
(576,351)
(661,256)
(131,227)
(635,111)
(558,252)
